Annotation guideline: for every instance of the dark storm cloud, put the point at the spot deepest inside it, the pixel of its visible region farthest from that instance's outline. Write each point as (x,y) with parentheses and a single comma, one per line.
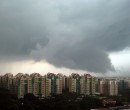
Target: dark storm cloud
(19,32)
(69,33)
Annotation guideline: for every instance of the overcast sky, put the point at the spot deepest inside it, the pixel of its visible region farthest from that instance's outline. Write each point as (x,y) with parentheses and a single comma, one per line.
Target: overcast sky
(65,36)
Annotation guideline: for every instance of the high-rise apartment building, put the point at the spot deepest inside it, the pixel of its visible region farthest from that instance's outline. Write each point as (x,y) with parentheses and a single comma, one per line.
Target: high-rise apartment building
(112,87)
(48,85)
(35,83)
(56,83)
(74,83)
(22,84)
(84,84)
(45,86)
(6,80)
(65,84)
(107,87)
(87,83)
(123,84)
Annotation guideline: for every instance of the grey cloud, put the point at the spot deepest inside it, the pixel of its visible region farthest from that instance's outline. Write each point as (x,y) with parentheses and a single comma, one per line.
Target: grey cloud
(20,32)
(69,33)
(117,37)
(82,57)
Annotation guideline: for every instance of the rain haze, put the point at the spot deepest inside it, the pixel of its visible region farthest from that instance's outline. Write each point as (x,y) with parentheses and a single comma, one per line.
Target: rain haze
(65,36)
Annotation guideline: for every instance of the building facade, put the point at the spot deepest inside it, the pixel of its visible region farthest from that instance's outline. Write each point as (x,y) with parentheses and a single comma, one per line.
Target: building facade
(56,83)
(107,87)
(87,84)
(84,84)
(48,85)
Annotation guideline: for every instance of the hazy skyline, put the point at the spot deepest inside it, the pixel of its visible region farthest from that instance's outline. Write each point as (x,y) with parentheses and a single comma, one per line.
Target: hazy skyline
(65,36)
